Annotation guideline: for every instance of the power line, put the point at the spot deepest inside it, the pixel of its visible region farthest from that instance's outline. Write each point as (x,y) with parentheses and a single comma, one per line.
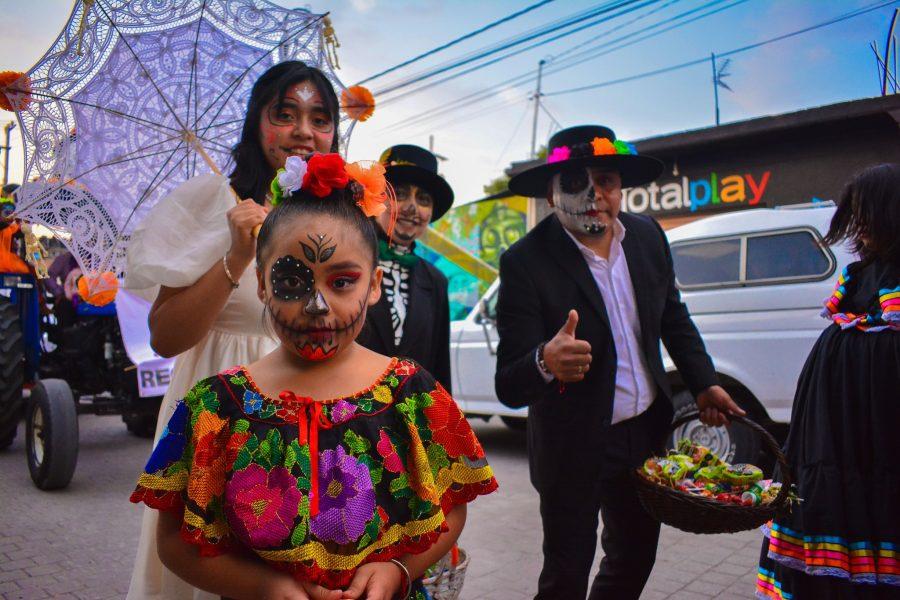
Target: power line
(459,63)
(691,63)
(467,36)
(584,56)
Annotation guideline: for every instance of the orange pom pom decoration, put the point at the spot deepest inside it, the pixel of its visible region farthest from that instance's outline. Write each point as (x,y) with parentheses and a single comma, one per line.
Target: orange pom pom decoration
(374,185)
(98,290)
(15,88)
(358,103)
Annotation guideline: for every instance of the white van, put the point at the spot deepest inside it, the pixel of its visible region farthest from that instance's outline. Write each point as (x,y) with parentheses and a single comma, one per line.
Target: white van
(754,282)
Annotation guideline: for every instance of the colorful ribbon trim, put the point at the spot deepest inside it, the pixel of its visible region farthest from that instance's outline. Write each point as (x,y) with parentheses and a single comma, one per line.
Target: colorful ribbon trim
(887,318)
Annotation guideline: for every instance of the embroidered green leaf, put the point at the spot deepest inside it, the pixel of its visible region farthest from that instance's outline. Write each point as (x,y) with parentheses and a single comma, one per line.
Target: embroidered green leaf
(240,426)
(376,475)
(276,453)
(252,443)
(365,404)
(290,456)
(420,508)
(357,444)
(303,509)
(399,483)
(303,460)
(364,541)
(210,401)
(404,493)
(242,460)
(374,526)
(367,460)
(268,409)
(437,458)
(238,379)
(392,381)
(298,536)
(303,483)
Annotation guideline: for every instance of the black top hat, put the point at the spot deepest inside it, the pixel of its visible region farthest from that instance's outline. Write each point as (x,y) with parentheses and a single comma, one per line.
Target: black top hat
(405,163)
(587,145)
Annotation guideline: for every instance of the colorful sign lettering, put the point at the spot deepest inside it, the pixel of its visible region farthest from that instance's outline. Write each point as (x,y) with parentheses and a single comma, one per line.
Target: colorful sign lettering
(692,195)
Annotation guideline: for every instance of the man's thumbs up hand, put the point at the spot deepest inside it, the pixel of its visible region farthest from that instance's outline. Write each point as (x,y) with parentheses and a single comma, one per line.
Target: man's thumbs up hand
(567,357)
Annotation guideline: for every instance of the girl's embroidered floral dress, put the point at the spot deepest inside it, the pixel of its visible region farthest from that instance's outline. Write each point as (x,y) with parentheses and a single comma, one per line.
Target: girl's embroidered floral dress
(316,488)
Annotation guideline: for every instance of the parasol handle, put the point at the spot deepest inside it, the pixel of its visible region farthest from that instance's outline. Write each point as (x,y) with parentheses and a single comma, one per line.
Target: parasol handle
(191,138)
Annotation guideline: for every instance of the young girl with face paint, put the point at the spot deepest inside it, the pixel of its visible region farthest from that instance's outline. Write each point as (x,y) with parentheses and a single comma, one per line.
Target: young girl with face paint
(322,470)
(193,252)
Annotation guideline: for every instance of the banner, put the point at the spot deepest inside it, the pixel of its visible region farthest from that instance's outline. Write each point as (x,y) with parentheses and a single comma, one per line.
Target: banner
(153,371)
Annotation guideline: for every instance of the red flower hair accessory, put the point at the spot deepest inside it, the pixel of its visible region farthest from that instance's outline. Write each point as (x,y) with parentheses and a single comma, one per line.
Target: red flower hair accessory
(324,173)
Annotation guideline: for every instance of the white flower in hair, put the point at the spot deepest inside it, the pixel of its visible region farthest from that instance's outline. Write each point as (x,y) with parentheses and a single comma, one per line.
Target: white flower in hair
(291,177)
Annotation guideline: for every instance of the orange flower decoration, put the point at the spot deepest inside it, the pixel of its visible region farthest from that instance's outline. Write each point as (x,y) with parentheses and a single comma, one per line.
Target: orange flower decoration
(98,290)
(371,178)
(602,146)
(358,103)
(15,88)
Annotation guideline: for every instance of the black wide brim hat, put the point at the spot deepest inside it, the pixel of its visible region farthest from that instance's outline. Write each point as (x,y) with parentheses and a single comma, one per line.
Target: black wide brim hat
(406,163)
(587,146)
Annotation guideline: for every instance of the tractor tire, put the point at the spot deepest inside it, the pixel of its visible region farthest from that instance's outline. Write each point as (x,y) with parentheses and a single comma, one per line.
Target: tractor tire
(51,427)
(12,372)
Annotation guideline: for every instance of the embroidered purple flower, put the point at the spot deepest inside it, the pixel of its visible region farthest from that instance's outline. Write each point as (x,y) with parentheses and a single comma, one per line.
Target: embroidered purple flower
(559,154)
(261,506)
(342,412)
(347,500)
(252,402)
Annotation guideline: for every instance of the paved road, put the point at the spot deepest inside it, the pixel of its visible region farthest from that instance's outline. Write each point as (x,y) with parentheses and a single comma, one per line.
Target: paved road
(79,542)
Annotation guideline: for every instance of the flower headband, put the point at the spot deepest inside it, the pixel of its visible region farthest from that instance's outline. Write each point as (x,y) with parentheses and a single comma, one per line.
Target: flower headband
(596,147)
(323,173)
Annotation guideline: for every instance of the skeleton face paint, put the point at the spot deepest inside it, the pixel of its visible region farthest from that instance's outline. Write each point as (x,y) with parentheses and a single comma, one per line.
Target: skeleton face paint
(317,302)
(291,279)
(296,125)
(586,200)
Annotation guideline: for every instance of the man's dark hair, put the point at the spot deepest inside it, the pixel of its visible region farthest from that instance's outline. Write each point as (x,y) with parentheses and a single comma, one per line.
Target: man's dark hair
(868,214)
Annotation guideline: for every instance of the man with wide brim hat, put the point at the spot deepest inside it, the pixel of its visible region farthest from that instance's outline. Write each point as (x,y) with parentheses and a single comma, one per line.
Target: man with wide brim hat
(412,319)
(585,299)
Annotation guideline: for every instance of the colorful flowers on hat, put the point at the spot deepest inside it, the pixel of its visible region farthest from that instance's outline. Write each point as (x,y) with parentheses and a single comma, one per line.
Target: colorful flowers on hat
(596,147)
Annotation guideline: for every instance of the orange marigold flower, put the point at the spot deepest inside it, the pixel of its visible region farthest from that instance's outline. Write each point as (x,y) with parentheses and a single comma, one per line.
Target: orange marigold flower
(358,103)
(98,290)
(372,180)
(15,88)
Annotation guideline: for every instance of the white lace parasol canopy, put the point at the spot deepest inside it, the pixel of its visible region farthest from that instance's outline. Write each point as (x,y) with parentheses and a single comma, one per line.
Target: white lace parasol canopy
(131,94)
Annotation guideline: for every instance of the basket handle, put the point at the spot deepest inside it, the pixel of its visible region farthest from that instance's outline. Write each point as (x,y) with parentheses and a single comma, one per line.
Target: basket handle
(770,443)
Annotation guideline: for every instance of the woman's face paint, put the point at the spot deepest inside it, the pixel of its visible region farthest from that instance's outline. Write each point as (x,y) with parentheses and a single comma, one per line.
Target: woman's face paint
(587,200)
(318,301)
(298,124)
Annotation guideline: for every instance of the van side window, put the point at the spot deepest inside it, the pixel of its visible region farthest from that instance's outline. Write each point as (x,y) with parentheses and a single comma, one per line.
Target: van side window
(785,255)
(707,263)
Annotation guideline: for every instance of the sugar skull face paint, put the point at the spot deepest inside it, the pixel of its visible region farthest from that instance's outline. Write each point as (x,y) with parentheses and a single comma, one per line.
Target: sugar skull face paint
(586,200)
(298,124)
(317,302)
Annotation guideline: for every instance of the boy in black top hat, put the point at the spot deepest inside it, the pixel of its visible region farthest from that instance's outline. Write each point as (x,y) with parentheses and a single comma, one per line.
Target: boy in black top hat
(585,299)
(412,318)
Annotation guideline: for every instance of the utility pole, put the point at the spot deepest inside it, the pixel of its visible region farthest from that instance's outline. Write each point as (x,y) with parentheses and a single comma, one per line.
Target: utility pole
(537,105)
(6,130)
(887,53)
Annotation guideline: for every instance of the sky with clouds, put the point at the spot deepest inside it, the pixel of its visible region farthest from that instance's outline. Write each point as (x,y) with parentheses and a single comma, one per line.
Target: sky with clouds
(828,65)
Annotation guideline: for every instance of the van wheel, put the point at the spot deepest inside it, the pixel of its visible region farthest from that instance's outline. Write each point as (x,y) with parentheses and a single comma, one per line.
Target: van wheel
(515,423)
(733,443)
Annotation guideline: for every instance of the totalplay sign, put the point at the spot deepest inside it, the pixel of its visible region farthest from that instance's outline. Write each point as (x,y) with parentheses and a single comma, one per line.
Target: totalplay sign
(698,194)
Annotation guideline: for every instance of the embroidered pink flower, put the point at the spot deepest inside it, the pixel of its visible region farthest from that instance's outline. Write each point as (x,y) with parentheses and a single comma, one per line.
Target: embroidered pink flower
(386,449)
(559,154)
(261,506)
(342,412)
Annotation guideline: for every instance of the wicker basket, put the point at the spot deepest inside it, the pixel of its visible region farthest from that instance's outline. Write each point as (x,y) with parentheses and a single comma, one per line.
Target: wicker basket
(698,514)
(448,581)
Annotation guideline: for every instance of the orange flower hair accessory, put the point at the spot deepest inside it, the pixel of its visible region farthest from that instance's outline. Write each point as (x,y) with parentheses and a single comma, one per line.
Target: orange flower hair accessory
(603,146)
(358,103)
(371,178)
(324,173)
(15,90)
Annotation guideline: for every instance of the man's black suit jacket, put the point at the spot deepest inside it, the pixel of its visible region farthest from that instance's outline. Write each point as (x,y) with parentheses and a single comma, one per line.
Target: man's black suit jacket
(542,277)
(426,331)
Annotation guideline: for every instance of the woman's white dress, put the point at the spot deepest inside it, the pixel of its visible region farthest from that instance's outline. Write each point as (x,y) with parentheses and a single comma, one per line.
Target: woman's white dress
(181,238)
